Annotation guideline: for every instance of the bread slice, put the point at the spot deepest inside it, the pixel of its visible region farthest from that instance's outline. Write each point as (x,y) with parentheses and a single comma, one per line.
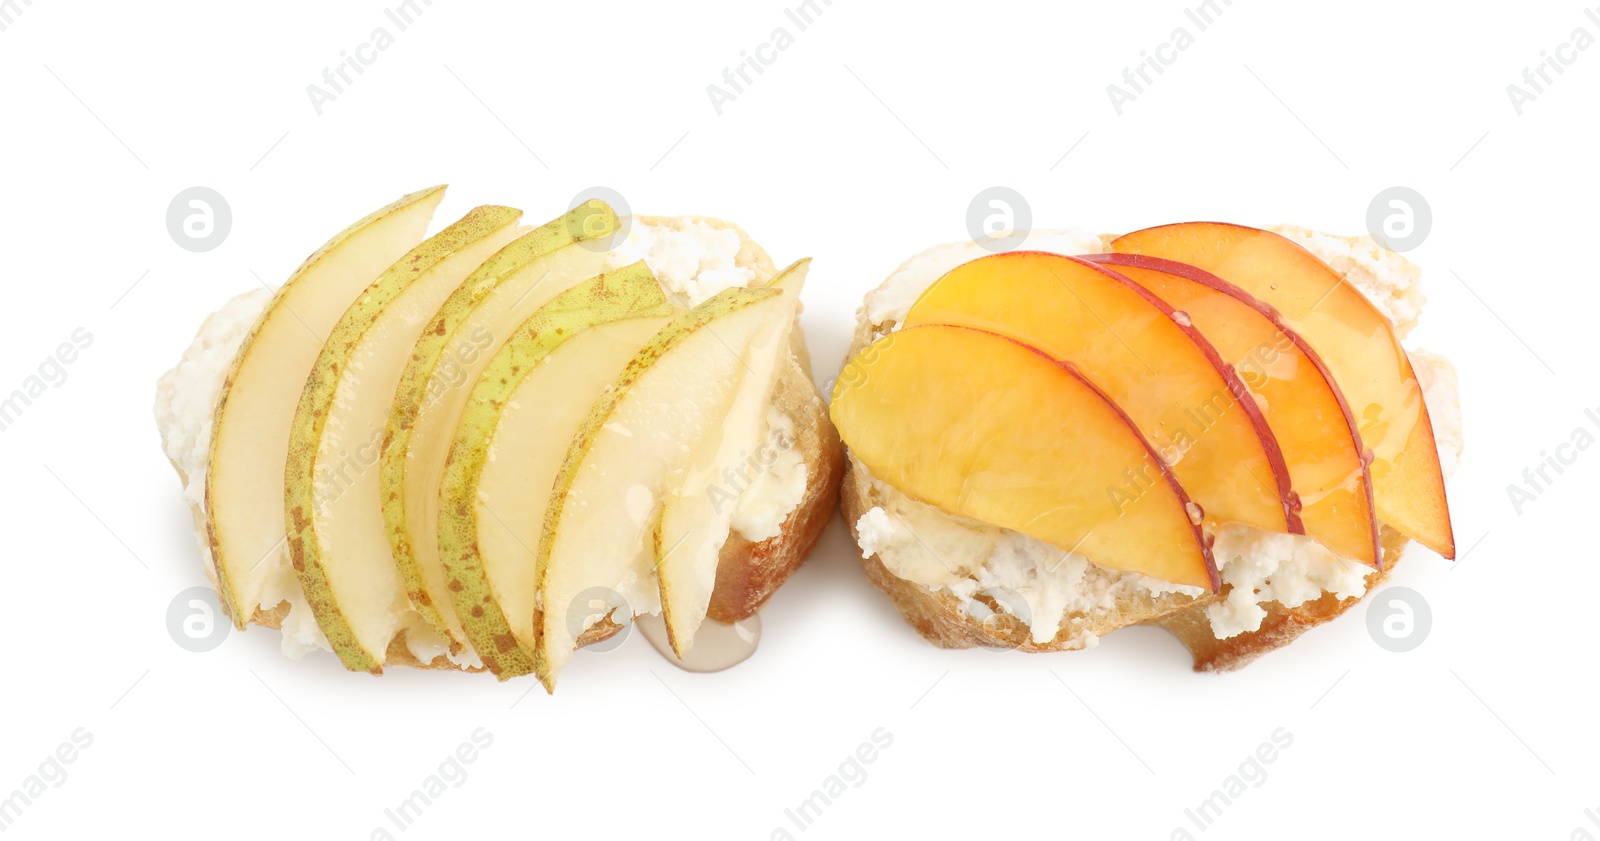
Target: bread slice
(946,620)
(748,572)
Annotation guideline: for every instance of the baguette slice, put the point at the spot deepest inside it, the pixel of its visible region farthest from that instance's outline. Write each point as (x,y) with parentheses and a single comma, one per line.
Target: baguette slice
(748,572)
(948,621)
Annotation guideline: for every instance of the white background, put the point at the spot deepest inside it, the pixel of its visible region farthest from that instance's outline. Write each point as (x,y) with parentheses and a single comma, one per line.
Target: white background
(860,145)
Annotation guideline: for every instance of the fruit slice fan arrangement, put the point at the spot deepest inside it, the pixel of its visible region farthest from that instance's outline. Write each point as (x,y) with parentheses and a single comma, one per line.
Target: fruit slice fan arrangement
(495,367)
(1126,405)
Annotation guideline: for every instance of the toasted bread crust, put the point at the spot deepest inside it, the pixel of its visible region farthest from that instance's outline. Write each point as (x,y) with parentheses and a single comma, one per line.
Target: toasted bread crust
(940,618)
(1282,625)
(748,573)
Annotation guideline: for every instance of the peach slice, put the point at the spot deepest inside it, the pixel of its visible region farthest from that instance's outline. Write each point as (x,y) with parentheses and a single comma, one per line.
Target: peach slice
(1158,369)
(1356,342)
(987,427)
(1296,394)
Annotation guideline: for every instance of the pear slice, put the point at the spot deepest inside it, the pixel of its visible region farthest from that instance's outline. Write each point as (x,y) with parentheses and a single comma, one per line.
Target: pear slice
(455,347)
(605,503)
(514,437)
(331,504)
(250,429)
(697,511)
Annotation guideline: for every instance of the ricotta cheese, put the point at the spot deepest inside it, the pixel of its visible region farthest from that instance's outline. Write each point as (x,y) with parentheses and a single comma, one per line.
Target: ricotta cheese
(1035,581)
(1055,591)
(1262,567)
(779,485)
(186,396)
(1441,393)
(692,260)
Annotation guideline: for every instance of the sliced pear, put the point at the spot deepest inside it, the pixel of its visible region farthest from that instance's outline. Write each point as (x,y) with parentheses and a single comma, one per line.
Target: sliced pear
(1320,441)
(250,431)
(984,426)
(607,497)
(331,502)
(1356,342)
(515,434)
(697,511)
(455,347)
(1174,385)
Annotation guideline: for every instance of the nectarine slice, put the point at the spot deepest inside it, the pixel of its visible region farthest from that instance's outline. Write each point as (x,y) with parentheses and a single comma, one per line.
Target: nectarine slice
(1307,412)
(1354,340)
(1158,369)
(984,426)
